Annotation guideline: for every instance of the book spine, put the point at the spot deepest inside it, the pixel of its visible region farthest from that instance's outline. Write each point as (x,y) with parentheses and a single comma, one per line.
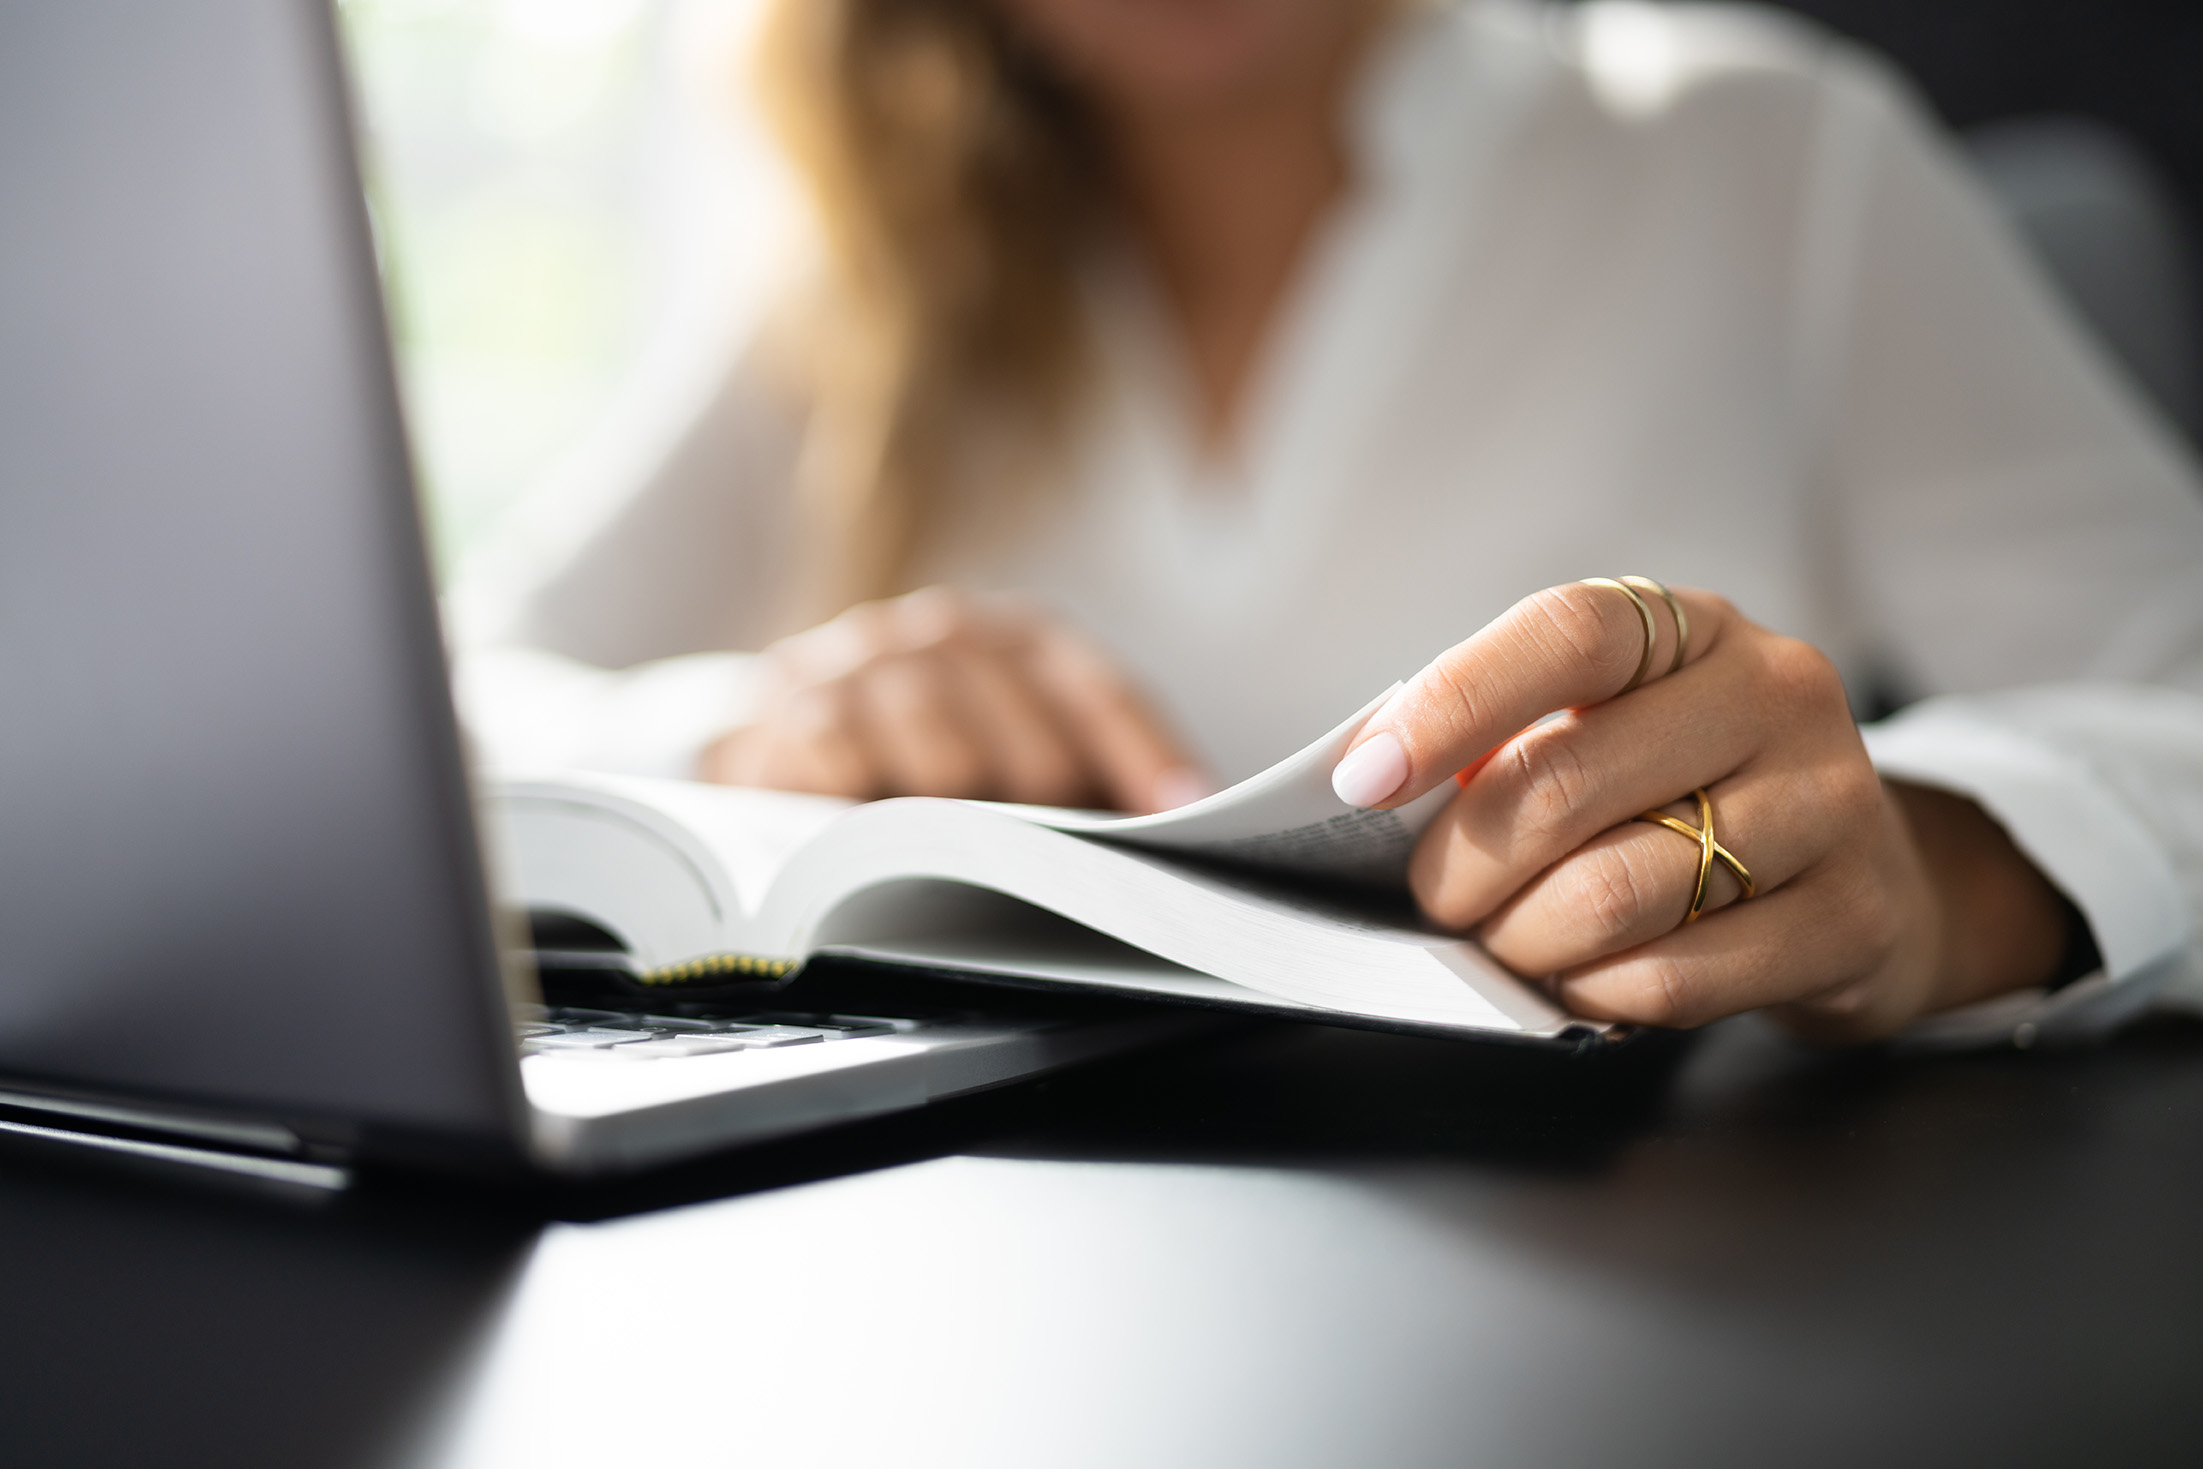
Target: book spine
(716,967)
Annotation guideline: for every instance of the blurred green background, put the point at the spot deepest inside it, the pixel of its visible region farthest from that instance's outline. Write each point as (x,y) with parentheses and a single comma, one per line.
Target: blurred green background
(507,142)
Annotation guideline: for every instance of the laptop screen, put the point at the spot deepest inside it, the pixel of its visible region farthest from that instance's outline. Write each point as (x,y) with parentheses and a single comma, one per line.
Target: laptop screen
(236,860)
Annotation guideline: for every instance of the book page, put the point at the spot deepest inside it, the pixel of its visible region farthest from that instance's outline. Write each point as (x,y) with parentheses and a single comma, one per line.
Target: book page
(672,869)
(752,832)
(918,877)
(681,872)
(1286,819)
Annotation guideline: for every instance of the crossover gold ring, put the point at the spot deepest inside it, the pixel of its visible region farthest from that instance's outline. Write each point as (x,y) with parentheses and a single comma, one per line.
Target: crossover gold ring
(1710,851)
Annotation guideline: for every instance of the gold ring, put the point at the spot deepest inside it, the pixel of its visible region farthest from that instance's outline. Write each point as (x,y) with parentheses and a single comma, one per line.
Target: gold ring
(1644,611)
(1682,622)
(1709,852)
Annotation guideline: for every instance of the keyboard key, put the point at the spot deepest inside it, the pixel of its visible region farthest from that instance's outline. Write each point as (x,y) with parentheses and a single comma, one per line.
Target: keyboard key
(669,1023)
(586,1040)
(575,1015)
(764,1037)
(680,1045)
(852,1026)
(645,1035)
(835,1026)
(649,1037)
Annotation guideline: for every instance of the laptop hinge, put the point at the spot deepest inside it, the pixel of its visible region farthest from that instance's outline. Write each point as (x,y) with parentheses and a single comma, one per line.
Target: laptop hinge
(230,1132)
(323,1177)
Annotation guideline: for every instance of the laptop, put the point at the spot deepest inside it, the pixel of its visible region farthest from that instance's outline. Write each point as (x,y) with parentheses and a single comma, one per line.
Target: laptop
(244,918)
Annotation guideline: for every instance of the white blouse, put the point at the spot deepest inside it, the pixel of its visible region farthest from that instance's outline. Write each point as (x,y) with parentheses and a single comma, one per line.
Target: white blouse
(1688,292)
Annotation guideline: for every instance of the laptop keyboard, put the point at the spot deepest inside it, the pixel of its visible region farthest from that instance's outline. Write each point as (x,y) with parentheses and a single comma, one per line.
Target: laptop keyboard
(636,1035)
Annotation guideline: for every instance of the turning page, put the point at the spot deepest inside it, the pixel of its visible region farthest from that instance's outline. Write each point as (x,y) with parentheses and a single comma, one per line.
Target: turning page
(1287,819)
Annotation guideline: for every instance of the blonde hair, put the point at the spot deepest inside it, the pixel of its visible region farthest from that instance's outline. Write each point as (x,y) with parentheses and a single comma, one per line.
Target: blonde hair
(954,181)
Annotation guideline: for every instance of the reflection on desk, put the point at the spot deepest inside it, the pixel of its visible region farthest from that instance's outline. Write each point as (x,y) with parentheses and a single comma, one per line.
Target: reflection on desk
(1297,1246)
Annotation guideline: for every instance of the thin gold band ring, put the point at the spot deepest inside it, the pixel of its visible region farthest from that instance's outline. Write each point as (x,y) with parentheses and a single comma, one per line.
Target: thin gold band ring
(1644,613)
(1675,609)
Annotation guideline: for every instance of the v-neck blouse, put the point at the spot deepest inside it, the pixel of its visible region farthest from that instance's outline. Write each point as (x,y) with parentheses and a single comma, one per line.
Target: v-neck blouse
(1692,292)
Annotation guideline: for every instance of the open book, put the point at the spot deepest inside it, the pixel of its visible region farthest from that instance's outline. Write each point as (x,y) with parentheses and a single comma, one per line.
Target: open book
(1273,895)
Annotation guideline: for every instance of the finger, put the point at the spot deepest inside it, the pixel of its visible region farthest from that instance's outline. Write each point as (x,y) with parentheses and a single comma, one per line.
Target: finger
(1827,930)
(907,718)
(1633,884)
(934,618)
(1761,700)
(1140,765)
(1559,784)
(1032,758)
(834,649)
(807,743)
(1562,648)
(949,618)
(984,639)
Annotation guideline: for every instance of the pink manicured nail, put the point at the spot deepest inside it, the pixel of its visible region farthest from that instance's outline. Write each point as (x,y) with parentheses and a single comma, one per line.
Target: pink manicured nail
(1372,771)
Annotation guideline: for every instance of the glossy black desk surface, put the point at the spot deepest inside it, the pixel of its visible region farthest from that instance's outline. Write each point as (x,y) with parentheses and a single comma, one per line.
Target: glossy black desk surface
(1287,1247)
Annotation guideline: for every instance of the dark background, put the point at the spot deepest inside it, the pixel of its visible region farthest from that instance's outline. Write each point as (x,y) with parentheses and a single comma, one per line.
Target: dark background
(2131,63)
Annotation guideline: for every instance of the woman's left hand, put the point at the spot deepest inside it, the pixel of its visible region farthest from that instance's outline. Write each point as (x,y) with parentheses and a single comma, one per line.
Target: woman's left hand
(1875,903)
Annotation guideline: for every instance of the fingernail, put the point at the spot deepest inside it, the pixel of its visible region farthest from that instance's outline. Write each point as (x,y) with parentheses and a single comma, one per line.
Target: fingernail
(1181,787)
(1371,771)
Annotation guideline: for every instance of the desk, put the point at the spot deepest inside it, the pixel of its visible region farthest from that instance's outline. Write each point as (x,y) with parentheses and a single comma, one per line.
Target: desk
(1287,1247)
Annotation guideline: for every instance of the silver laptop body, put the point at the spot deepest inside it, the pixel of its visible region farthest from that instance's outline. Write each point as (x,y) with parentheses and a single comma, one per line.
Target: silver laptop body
(241,901)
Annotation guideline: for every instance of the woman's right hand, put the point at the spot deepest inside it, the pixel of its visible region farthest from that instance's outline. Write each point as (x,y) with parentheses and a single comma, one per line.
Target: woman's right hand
(945,693)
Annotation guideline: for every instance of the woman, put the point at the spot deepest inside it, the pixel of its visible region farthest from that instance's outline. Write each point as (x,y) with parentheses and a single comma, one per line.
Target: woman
(1269,345)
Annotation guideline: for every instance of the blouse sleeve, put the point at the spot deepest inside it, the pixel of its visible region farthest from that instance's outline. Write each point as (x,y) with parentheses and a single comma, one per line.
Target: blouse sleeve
(609,630)
(2021,539)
